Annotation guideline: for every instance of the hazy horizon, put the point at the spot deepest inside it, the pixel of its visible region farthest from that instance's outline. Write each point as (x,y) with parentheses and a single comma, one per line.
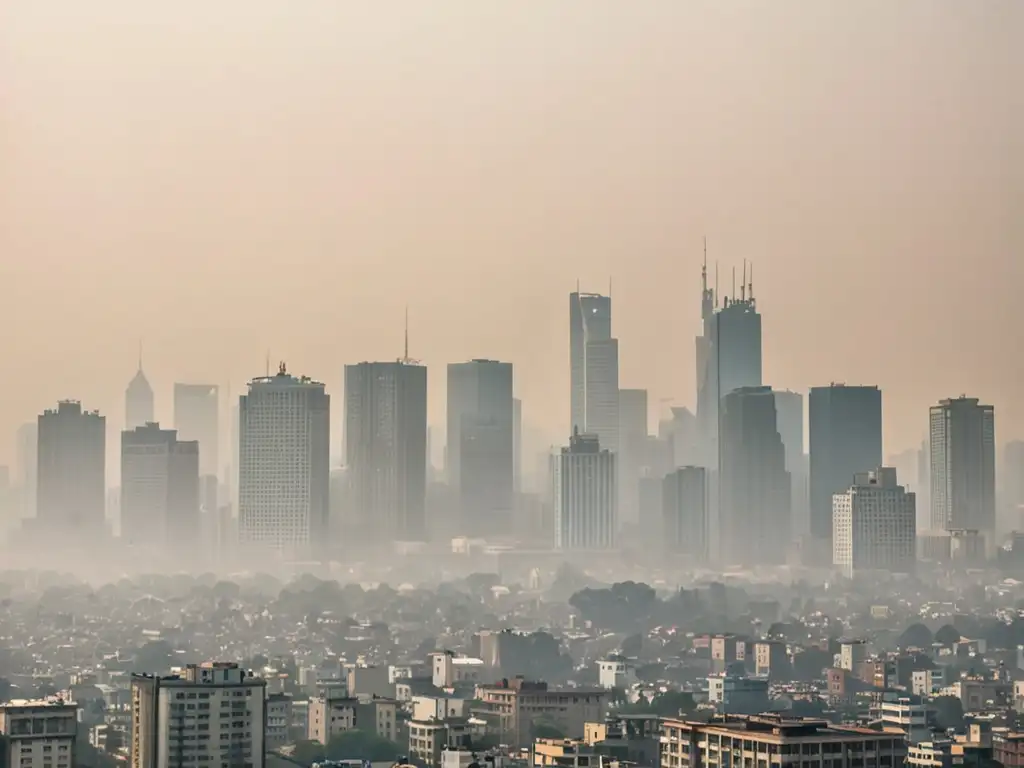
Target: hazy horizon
(227,179)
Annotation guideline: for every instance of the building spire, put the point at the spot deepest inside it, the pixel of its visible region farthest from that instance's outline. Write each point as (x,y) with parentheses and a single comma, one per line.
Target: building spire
(704,269)
(140,353)
(405,353)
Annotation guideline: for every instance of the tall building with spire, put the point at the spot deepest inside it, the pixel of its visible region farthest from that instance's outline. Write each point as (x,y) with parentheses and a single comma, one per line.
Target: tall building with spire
(138,400)
(593,369)
(728,355)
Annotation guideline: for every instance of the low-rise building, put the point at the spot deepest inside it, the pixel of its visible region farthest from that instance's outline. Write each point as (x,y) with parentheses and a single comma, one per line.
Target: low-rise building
(329,715)
(738,695)
(279,720)
(615,672)
(449,670)
(511,707)
(912,718)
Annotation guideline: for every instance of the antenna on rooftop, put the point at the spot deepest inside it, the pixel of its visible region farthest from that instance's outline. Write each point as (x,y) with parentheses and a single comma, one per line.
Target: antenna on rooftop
(406,360)
(743,284)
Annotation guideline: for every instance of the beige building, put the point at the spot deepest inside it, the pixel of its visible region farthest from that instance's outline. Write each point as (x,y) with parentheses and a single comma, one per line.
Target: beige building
(511,707)
(38,734)
(331,713)
(213,714)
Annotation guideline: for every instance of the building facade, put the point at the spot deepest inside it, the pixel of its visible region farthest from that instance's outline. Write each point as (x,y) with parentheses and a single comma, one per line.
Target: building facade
(685,514)
(138,401)
(633,449)
(874,525)
(284,478)
(594,368)
(584,489)
(197,417)
(963,466)
(71,471)
(38,734)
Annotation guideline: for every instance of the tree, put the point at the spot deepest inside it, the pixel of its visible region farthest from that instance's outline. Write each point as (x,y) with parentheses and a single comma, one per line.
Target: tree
(546,730)
(308,752)
(916,636)
(362,745)
(949,712)
(947,634)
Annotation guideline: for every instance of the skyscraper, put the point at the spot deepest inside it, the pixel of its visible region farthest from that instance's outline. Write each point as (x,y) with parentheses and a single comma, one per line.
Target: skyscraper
(159,490)
(754,486)
(71,471)
(728,356)
(632,451)
(283,477)
(481,445)
(685,513)
(874,525)
(1013,485)
(197,417)
(517,445)
(594,368)
(584,479)
(963,461)
(845,426)
(789,407)
(138,400)
(386,450)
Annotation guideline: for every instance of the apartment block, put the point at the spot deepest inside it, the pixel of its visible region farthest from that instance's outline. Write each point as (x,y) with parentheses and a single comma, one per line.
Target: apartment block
(38,733)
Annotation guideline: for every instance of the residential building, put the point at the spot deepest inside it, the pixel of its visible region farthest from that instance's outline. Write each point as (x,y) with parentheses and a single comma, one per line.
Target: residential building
(737,694)
(771,660)
(565,753)
(512,706)
(38,734)
(386,450)
(71,471)
(481,445)
(331,712)
(963,486)
(594,368)
(429,740)
(159,489)
(845,431)
(616,672)
(450,670)
(427,708)
(212,714)
(586,500)
(684,526)
(378,715)
(369,681)
(279,720)
(284,478)
(912,718)
(874,525)
(852,653)
(197,417)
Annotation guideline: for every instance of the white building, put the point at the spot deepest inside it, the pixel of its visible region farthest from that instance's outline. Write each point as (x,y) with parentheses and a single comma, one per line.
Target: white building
(914,720)
(594,368)
(38,734)
(874,525)
(449,669)
(585,494)
(615,673)
(331,713)
(284,478)
(963,466)
(213,713)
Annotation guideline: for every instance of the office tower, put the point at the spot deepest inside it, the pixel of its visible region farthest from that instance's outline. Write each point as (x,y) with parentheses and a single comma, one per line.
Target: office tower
(789,406)
(197,417)
(159,490)
(963,461)
(225,726)
(845,426)
(754,486)
(138,401)
(728,356)
(632,452)
(386,449)
(685,513)
(682,437)
(1013,486)
(283,477)
(594,368)
(517,445)
(27,450)
(71,480)
(481,445)
(874,525)
(584,480)
(40,733)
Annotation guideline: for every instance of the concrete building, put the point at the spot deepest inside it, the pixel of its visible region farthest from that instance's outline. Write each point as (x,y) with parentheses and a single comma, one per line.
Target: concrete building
(738,695)
(197,417)
(584,490)
(159,489)
(767,739)
(379,716)
(616,672)
(284,478)
(71,471)
(789,410)
(874,525)
(909,716)
(38,734)
(594,368)
(852,653)
(845,430)
(213,714)
(331,712)
(386,450)
(279,720)
(429,740)
(517,445)
(138,401)
(963,462)
(771,660)
(449,670)
(754,526)
(512,706)
(370,681)
(427,708)
(632,452)
(481,445)
(728,358)
(685,514)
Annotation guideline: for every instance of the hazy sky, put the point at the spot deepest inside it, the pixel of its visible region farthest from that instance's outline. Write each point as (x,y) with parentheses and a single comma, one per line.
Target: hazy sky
(223,178)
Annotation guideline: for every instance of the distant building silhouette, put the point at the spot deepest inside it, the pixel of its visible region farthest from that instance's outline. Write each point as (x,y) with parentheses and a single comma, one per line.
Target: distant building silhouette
(963,461)
(585,496)
(594,368)
(386,450)
(71,471)
(481,445)
(685,514)
(284,478)
(138,401)
(197,417)
(633,450)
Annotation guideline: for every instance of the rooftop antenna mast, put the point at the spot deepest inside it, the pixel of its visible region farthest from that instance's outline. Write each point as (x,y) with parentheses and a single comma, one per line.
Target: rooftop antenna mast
(704,269)
(266,367)
(750,285)
(406,360)
(140,353)
(743,284)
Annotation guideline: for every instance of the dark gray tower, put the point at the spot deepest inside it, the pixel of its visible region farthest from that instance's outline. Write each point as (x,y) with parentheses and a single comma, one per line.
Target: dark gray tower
(685,514)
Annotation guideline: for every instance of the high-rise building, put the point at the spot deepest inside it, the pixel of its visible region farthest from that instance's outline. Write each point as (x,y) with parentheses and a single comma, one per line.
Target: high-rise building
(197,417)
(225,728)
(159,489)
(728,357)
(963,466)
(1013,486)
(594,368)
(754,486)
(517,445)
(685,513)
(138,401)
(584,480)
(874,525)
(27,450)
(386,450)
(284,477)
(632,452)
(845,426)
(71,466)
(38,734)
(789,406)
(481,445)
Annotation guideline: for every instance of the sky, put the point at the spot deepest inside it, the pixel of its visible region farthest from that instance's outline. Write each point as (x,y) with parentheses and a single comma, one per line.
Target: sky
(230,179)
